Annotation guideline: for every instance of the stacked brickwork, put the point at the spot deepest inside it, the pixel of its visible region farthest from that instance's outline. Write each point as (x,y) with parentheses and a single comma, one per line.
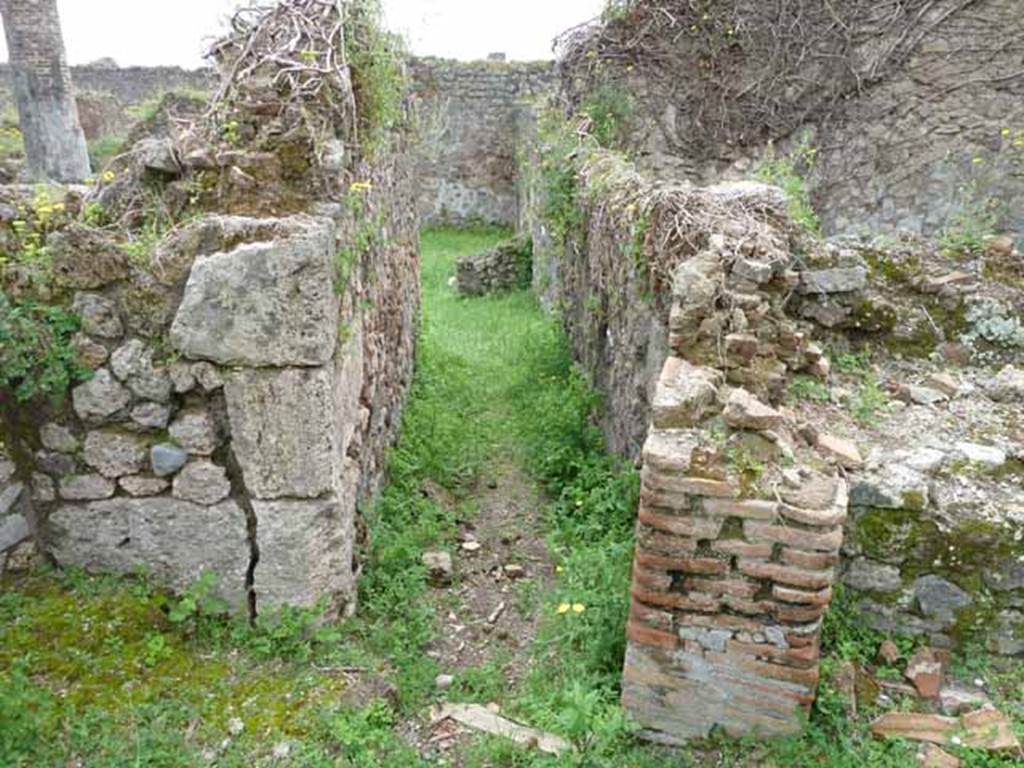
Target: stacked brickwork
(740,522)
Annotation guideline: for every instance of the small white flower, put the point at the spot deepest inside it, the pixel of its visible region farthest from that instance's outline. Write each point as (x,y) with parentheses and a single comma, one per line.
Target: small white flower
(979,683)
(956,741)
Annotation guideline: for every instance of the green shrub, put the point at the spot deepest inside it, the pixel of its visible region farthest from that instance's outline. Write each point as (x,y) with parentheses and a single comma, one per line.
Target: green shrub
(36,355)
(789,172)
(378,73)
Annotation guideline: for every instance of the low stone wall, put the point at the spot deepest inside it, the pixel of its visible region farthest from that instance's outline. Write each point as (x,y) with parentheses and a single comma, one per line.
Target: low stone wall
(238,409)
(505,268)
(469,116)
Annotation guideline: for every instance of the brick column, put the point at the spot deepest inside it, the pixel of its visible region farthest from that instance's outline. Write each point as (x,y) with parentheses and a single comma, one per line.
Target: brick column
(740,526)
(54,143)
(727,598)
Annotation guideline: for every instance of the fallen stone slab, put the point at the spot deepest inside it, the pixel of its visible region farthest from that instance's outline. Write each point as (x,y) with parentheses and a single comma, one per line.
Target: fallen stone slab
(482,719)
(932,756)
(984,729)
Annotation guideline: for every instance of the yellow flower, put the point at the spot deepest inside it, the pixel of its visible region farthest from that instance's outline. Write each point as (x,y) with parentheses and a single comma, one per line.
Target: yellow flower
(1005,131)
(578,607)
(564,608)
(559,569)
(360,186)
(108,176)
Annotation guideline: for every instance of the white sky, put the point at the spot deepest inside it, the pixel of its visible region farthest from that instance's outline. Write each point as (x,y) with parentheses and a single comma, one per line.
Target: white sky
(154,32)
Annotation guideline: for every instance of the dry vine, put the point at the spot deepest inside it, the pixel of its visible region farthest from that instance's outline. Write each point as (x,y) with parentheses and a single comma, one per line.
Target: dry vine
(741,72)
(286,62)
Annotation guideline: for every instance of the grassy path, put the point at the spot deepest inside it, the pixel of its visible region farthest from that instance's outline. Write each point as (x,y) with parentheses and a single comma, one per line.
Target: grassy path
(498,451)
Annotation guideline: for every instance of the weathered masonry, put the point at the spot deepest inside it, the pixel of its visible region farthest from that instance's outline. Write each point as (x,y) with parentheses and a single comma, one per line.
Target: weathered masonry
(471,113)
(244,376)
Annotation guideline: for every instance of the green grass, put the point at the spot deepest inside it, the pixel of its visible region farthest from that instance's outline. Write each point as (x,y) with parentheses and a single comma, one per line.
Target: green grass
(94,669)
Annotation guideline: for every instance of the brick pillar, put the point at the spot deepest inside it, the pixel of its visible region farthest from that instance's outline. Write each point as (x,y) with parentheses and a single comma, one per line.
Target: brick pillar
(740,525)
(54,143)
(727,598)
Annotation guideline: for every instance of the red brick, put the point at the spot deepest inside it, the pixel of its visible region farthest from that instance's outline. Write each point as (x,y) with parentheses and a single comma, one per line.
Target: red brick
(801,641)
(741,548)
(734,587)
(817,561)
(658,542)
(650,617)
(793,613)
(822,518)
(787,595)
(785,574)
(719,621)
(642,635)
(750,509)
(676,485)
(748,607)
(697,528)
(648,579)
(801,657)
(702,565)
(795,537)
(672,600)
(766,669)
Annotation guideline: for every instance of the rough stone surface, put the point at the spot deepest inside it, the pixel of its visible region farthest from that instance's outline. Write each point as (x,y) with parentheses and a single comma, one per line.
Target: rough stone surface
(98,314)
(140,485)
(870,576)
(1007,386)
(938,598)
(86,488)
(114,454)
(57,437)
(202,482)
(166,459)
(195,431)
(305,554)
(439,567)
(839,280)
(9,496)
(174,540)
(151,415)
(270,303)
(14,529)
(132,363)
(100,397)
(284,443)
(745,411)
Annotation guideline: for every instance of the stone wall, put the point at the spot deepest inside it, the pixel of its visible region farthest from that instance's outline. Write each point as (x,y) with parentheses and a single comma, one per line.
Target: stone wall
(504,268)
(238,410)
(129,86)
(469,118)
(247,353)
(694,311)
(916,116)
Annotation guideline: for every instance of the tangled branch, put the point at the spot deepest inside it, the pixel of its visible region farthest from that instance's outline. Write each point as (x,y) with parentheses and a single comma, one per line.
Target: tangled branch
(287,63)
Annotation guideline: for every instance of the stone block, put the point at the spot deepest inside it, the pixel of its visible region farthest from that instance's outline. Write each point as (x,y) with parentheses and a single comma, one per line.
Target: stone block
(797,538)
(100,397)
(114,454)
(263,303)
(14,529)
(174,541)
(305,554)
(195,431)
(202,482)
(283,431)
(86,488)
(685,395)
(744,411)
(837,280)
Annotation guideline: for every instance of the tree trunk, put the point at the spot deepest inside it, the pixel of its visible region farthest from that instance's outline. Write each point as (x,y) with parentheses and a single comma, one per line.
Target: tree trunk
(54,143)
